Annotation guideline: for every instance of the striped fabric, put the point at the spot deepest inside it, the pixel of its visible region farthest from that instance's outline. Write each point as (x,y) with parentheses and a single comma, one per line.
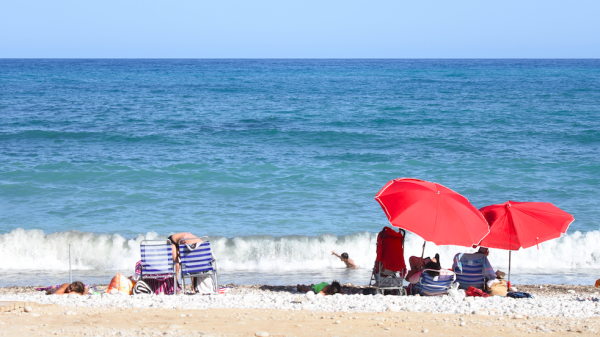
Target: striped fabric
(158,283)
(434,286)
(471,275)
(196,261)
(157,267)
(156,259)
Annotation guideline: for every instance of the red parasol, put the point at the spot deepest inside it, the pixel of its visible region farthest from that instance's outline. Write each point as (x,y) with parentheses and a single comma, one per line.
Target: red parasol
(515,225)
(432,211)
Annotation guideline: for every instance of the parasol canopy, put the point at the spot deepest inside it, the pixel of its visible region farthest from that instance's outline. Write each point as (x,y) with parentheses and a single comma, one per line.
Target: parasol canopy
(515,225)
(432,211)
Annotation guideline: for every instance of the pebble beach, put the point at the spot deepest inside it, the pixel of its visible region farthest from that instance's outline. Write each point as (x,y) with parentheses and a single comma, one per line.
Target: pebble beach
(553,309)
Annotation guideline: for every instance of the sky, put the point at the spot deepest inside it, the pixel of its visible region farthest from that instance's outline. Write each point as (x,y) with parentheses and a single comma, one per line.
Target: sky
(299,29)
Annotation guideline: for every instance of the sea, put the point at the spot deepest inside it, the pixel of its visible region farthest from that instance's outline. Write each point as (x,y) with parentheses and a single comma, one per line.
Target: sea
(278,161)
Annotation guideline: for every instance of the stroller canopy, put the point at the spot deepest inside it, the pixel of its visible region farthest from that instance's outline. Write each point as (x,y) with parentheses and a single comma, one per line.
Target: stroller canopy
(390,249)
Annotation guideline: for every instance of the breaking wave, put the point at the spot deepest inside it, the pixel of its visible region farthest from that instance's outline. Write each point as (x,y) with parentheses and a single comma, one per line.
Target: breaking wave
(35,250)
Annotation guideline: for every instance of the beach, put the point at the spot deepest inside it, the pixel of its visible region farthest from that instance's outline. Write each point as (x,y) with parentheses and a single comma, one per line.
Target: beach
(281,311)
(278,163)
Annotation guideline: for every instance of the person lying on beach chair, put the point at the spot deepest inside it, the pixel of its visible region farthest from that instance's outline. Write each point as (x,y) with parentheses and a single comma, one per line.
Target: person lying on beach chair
(76,287)
(323,288)
(433,280)
(346,259)
(417,265)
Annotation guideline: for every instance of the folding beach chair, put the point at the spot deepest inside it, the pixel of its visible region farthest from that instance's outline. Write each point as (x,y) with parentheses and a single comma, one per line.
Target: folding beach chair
(471,273)
(157,261)
(390,268)
(435,285)
(197,260)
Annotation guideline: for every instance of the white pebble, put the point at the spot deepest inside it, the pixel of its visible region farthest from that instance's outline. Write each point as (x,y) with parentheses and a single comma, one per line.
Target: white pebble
(299,299)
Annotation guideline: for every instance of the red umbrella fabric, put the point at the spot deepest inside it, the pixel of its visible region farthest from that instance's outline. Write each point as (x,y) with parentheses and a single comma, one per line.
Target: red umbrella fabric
(432,211)
(515,225)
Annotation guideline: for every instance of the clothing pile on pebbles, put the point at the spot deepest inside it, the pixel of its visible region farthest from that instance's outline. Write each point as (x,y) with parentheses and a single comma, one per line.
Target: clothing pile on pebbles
(570,303)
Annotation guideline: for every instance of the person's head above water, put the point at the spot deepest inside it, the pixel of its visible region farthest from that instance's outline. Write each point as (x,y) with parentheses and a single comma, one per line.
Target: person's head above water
(76,287)
(335,287)
(345,256)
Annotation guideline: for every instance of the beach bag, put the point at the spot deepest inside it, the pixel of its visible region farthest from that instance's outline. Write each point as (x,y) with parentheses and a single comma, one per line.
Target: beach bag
(120,283)
(142,287)
(499,288)
(203,284)
(518,294)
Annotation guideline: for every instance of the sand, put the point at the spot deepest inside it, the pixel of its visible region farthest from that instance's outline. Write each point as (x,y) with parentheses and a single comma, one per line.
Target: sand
(239,322)
(90,320)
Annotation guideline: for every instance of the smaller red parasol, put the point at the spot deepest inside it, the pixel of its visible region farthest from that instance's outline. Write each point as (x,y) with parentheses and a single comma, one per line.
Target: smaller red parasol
(515,225)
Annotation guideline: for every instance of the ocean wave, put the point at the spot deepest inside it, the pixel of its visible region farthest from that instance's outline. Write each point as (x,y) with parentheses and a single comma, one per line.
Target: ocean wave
(35,250)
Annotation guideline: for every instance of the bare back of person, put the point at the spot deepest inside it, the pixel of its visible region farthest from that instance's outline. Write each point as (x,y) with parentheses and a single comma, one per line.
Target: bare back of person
(175,239)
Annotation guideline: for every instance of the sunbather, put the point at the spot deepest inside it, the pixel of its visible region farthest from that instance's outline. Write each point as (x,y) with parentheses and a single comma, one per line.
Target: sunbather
(346,259)
(63,289)
(323,288)
(417,265)
(189,239)
(477,258)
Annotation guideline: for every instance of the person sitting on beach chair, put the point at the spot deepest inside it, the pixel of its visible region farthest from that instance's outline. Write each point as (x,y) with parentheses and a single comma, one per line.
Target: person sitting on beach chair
(322,288)
(473,269)
(346,259)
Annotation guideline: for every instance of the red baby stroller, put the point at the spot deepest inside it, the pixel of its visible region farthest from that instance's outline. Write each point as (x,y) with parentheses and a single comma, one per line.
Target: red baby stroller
(390,269)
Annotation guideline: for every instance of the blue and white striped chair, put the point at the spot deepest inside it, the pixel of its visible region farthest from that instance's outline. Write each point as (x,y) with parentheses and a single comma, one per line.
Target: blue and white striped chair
(435,285)
(470,275)
(198,261)
(157,260)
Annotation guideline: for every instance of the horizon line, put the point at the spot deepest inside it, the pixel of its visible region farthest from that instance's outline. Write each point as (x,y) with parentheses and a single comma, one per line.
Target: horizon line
(296,58)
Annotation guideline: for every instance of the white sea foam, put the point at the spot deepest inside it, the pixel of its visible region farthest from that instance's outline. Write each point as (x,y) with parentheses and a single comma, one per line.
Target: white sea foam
(35,250)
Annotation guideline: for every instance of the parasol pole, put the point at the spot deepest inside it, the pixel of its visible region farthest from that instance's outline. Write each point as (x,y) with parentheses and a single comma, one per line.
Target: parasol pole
(70,274)
(423,252)
(509,255)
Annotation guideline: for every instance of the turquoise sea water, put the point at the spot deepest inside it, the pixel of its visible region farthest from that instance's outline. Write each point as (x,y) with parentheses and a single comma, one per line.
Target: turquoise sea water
(267,155)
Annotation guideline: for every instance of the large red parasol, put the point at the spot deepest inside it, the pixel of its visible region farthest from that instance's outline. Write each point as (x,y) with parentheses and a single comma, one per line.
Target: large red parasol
(515,225)
(432,211)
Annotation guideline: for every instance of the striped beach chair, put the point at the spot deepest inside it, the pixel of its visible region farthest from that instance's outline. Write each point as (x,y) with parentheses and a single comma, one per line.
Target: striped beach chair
(197,260)
(157,261)
(435,285)
(471,274)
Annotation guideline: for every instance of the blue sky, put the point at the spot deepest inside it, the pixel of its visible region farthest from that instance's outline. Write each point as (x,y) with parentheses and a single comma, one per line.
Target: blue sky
(300,29)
